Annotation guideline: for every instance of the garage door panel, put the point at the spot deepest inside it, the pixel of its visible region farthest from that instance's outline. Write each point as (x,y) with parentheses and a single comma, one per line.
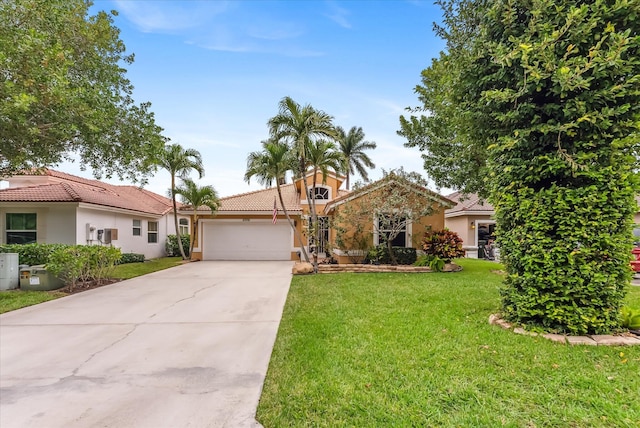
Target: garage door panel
(246,241)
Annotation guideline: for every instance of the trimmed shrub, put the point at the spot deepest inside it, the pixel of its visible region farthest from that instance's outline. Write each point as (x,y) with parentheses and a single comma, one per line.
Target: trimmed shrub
(31,254)
(380,254)
(566,252)
(131,258)
(444,244)
(82,263)
(171,246)
(405,256)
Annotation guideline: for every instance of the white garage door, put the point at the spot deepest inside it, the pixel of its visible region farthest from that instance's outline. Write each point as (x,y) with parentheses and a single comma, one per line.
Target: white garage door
(246,240)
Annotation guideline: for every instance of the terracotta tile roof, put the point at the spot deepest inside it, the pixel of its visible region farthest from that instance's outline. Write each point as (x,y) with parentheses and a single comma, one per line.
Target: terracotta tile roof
(344,196)
(467,203)
(259,201)
(70,188)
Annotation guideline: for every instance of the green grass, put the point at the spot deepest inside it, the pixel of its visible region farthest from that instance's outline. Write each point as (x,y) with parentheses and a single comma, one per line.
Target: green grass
(407,350)
(131,270)
(16,299)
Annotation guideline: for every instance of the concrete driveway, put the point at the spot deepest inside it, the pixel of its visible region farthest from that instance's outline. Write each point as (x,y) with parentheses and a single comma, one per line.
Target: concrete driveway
(184,347)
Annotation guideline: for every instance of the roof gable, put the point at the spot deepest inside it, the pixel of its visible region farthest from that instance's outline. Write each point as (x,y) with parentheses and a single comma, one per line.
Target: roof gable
(468,203)
(62,187)
(389,181)
(258,201)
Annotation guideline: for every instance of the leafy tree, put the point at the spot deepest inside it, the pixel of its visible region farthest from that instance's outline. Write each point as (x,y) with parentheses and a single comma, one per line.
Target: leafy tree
(396,200)
(353,149)
(299,126)
(179,162)
(64,91)
(269,165)
(197,197)
(538,104)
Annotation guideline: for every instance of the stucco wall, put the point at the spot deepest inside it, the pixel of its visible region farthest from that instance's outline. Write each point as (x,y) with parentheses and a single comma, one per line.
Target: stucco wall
(123,222)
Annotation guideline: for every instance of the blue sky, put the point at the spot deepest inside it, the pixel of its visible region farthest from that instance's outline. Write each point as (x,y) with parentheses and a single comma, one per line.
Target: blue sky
(214,72)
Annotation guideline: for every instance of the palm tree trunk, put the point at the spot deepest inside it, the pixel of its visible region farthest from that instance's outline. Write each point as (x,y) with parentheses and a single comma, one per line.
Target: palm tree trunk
(295,230)
(175,216)
(312,207)
(193,235)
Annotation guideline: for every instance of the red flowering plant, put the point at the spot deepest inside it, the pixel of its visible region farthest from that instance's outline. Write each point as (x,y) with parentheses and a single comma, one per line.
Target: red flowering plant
(443,244)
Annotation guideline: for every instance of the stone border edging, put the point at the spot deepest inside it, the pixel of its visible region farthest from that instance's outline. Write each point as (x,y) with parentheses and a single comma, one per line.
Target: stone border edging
(592,340)
(348,267)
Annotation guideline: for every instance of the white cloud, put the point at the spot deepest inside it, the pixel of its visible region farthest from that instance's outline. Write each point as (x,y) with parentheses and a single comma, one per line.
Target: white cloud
(338,15)
(155,16)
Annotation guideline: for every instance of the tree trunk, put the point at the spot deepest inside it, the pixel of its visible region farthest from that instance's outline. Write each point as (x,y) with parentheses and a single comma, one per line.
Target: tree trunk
(312,207)
(175,216)
(193,235)
(295,230)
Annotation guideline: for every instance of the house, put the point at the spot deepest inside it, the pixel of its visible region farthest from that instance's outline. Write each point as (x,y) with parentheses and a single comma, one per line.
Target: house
(54,207)
(472,219)
(244,229)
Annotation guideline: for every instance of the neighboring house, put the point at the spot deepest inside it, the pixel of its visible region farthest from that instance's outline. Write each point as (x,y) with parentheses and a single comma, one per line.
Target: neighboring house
(472,219)
(243,227)
(54,207)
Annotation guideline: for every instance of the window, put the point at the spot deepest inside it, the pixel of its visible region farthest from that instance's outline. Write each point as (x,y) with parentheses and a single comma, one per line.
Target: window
(152,232)
(390,225)
(21,228)
(137,228)
(184,226)
(321,193)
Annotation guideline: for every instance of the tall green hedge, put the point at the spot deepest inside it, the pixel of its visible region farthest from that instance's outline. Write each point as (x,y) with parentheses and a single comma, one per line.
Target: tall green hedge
(31,254)
(566,252)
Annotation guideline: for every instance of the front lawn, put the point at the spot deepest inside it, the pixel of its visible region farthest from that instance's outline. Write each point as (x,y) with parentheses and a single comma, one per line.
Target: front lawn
(16,299)
(131,270)
(417,350)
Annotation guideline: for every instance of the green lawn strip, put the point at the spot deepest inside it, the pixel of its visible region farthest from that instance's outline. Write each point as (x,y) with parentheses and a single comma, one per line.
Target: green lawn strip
(16,299)
(131,270)
(417,350)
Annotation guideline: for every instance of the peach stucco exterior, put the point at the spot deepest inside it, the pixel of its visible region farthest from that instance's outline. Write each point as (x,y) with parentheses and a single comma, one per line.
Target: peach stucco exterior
(258,206)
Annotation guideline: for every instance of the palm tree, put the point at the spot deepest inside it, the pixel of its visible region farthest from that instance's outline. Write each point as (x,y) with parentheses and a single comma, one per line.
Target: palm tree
(322,155)
(269,165)
(196,196)
(179,162)
(299,126)
(352,148)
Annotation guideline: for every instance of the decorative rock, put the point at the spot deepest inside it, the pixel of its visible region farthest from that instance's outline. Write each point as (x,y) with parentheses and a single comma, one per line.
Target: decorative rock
(520,330)
(601,340)
(451,267)
(324,268)
(504,324)
(606,339)
(302,268)
(580,340)
(555,337)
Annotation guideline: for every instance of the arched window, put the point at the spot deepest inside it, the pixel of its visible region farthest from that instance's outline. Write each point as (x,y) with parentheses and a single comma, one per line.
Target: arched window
(321,193)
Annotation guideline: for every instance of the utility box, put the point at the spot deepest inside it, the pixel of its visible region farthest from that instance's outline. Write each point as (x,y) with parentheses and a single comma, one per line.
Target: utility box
(110,235)
(9,273)
(37,278)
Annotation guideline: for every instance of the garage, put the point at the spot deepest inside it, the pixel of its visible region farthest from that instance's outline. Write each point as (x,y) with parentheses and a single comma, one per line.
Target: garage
(246,240)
